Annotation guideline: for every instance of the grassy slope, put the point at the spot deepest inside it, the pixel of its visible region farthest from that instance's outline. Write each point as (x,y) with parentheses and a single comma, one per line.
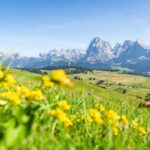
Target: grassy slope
(123,104)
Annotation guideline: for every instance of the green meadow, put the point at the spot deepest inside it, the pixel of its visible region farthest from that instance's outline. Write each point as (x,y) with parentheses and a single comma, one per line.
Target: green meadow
(29,125)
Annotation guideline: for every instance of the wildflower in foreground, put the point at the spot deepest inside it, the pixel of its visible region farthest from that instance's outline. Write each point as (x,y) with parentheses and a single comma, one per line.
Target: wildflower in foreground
(101,108)
(47,82)
(10,96)
(1,74)
(115,130)
(61,115)
(137,126)
(61,78)
(134,123)
(142,130)
(9,79)
(95,116)
(58,75)
(124,120)
(112,117)
(35,95)
(63,105)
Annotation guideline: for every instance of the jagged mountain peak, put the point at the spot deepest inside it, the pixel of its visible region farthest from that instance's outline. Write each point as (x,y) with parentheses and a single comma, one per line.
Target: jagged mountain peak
(117,45)
(126,44)
(117,50)
(99,54)
(99,43)
(98,50)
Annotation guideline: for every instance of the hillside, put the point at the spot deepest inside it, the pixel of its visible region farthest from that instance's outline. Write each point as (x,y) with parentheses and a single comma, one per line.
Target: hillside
(85,94)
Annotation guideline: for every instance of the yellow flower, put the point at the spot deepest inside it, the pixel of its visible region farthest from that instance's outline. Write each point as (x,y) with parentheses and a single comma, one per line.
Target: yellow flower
(68,123)
(134,123)
(101,108)
(14,98)
(46,78)
(58,75)
(4,85)
(89,119)
(61,78)
(124,120)
(34,95)
(66,82)
(60,115)
(112,117)
(22,91)
(1,74)
(94,112)
(10,79)
(63,105)
(95,116)
(142,130)
(99,120)
(115,130)
(10,96)
(46,82)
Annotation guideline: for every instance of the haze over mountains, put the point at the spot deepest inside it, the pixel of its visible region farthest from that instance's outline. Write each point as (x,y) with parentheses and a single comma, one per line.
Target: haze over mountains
(100,54)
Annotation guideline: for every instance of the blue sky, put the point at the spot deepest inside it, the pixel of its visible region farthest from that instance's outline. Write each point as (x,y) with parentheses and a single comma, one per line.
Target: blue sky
(33,26)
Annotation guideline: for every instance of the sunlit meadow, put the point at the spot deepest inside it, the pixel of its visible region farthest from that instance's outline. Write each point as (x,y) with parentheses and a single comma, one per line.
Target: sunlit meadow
(50,112)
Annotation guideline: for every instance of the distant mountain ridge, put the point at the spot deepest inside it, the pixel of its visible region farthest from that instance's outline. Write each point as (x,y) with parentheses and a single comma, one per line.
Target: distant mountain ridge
(134,55)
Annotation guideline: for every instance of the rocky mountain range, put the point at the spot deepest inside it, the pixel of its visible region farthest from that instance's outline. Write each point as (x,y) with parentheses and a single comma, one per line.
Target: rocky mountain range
(134,55)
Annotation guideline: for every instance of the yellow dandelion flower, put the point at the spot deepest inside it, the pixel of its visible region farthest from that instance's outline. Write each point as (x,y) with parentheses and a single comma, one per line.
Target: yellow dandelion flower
(66,82)
(10,96)
(101,108)
(58,75)
(142,130)
(89,119)
(115,130)
(68,123)
(46,78)
(95,116)
(99,120)
(61,116)
(112,116)
(46,82)
(58,113)
(94,112)
(134,123)
(1,74)
(14,98)
(10,79)
(34,95)
(124,120)
(63,105)
(61,78)
(22,91)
